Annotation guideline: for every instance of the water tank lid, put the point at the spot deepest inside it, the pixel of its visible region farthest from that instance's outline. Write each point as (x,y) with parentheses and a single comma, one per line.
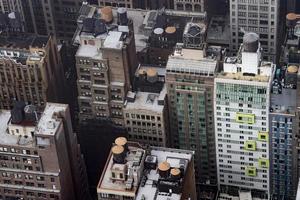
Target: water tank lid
(292,69)
(120,141)
(175,171)
(151,72)
(142,71)
(164,166)
(117,149)
(158,31)
(106,10)
(291,16)
(121,10)
(170,29)
(250,37)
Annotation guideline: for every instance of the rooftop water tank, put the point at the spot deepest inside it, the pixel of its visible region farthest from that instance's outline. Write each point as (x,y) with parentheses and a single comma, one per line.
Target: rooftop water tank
(164,169)
(251,42)
(118,154)
(106,14)
(291,19)
(122,16)
(122,141)
(152,75)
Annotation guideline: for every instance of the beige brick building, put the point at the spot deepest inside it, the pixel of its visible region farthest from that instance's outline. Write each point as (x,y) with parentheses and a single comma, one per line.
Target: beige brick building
(105,60)
(30,70)
(39,155)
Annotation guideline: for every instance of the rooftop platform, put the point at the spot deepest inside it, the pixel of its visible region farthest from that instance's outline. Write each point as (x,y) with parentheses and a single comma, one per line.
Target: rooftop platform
(176,159)
(191,61)
(48,123)
(9,139)
(133,162)
(146,182)
(147,101)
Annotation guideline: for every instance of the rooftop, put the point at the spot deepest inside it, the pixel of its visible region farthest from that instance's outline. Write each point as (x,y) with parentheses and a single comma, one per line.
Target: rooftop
(5,137)
(191,61)
(132,164)
(284,91)
(18,47)
(113,40)
(89,51)
(177,159)
(147,101)
(248,64)
(48,123)
(144,22)
(241,76)
(149,180)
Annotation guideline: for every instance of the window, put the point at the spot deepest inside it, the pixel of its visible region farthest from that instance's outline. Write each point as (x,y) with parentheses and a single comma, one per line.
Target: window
(250,171)
(250,145)
(263,136)
(263,163)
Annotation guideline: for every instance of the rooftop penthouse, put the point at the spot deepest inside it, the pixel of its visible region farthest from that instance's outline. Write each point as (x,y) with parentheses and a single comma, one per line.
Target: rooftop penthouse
(23,125)
(248,64)
(203,62)
(147,174)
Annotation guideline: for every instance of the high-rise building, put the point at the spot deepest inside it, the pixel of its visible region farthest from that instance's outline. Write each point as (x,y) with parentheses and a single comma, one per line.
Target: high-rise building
(105,62)
(30,70)
(40,157)
(143,4)
(291,57)
(283,129)
(242,102)
(132,172)
(261,17)
(46,17)
(190,87)
(146,109)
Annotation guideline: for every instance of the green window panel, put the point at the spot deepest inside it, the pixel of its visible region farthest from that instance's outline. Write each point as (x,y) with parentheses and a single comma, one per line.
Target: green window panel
(251,171)
(263,163)
(263,136)
(250,145)
(245,118)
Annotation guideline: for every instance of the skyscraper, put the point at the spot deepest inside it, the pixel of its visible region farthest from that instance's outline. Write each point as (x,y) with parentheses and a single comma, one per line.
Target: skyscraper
(261,17)
(190,84)
(30,70)
(242,101)
(105,62)
(283,130)
(46,17)
(40,157)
